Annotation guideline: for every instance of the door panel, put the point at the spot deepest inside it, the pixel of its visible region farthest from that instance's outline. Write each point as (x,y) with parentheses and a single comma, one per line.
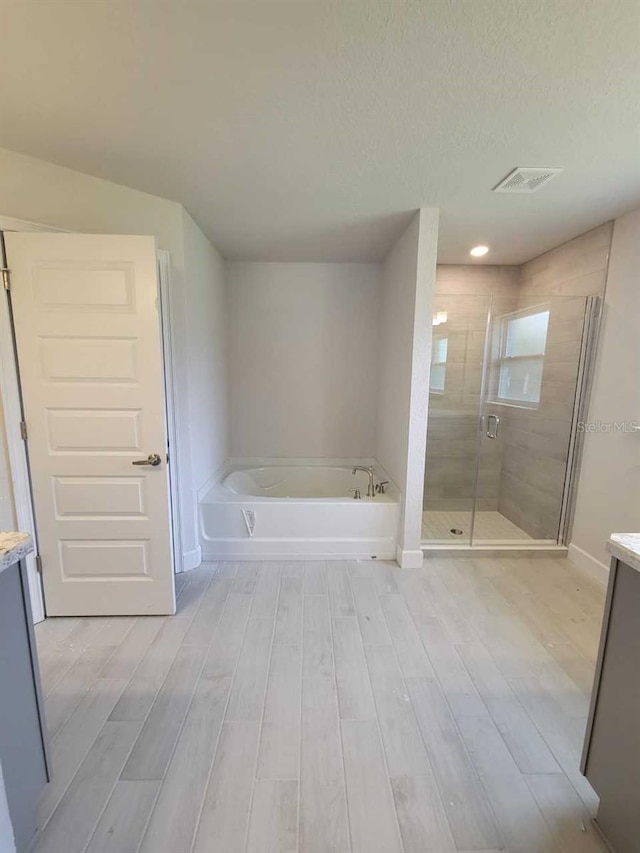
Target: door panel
(90,357)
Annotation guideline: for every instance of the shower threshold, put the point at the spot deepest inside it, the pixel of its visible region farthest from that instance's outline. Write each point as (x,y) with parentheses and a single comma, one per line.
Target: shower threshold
(451,531)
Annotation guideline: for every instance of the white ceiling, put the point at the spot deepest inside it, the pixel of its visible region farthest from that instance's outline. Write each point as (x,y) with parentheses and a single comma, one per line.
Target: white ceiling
(306,130)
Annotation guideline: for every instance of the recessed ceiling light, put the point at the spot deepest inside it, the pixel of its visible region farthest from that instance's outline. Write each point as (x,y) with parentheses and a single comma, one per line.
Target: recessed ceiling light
(479,251)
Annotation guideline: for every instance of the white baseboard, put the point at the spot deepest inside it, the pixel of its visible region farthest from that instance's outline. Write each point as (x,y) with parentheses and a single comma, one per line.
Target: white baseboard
(191,559)
(594,568)
(409,559)
(288,556)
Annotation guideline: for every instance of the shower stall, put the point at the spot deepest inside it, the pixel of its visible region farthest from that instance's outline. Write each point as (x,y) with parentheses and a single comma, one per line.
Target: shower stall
(510,366)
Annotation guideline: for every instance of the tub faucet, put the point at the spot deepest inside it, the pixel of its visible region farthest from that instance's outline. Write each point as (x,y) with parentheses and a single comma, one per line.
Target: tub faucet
(371,488)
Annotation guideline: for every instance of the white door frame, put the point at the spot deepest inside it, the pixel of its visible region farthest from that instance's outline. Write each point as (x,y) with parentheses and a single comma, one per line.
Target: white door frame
(12,407)
(173,439)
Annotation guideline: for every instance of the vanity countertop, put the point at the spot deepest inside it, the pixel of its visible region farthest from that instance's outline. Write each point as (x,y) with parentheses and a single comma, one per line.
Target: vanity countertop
(13,547)
(626,548)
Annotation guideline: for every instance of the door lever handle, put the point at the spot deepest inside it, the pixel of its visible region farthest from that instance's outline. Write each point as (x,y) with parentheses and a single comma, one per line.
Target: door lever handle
(153,459)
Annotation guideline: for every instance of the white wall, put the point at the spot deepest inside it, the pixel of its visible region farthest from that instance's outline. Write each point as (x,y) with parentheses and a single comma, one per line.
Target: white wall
(408,286)
(52,195)
(206,328)
(303,359)
(608,499)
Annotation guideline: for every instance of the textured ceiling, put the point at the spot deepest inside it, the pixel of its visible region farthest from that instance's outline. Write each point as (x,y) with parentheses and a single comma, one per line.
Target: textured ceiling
(306,130)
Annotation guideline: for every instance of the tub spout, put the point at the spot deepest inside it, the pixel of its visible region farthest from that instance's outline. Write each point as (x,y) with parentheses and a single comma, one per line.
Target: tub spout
(371,488)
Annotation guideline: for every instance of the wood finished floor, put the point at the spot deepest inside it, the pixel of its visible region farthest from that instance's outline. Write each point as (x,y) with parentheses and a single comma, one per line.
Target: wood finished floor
(328,708)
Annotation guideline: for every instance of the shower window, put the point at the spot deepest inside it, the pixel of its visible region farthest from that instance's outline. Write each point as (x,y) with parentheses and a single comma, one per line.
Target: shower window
(519,350)
(438,364)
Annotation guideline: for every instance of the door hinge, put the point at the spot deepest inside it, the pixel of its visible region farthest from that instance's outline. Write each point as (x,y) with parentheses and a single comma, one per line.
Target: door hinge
(38,564)
(23,431)
(6,278)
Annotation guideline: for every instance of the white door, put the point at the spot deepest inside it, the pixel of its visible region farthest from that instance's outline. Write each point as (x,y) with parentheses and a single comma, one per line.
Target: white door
(90,359)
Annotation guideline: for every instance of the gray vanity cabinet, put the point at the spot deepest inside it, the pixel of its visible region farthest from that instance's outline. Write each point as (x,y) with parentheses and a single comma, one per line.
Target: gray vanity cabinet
(23,749)
(611,757)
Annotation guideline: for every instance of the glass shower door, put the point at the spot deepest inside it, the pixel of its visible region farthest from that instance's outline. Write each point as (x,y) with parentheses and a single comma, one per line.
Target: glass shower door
(534,381)
(457,358)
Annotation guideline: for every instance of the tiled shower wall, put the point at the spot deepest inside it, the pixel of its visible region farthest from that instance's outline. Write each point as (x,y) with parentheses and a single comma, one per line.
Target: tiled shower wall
(522,473)
(536,442)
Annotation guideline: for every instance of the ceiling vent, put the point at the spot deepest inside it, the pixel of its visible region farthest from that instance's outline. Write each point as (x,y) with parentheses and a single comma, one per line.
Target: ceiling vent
(526,179)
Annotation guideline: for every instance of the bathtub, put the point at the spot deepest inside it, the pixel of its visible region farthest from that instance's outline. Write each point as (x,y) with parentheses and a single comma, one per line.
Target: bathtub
(300,511)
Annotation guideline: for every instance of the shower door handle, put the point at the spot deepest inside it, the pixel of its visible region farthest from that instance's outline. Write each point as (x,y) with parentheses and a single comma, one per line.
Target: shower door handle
(492,432)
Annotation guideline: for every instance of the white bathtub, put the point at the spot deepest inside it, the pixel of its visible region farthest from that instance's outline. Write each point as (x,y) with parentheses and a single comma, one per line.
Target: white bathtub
(299,512)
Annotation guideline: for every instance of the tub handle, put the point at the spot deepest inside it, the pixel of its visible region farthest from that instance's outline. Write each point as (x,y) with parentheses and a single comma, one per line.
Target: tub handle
(380,488)
(356,494)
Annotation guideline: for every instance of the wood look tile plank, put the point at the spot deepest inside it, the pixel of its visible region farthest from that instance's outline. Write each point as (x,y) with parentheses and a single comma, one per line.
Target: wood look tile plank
(246,578)
(323,806)
(412,656)
(174,819)
(451,614)
(75,739)
(227,570)
(58,657)
(355,699)
(405,752)
(150,755)
(65,697)
(124,661)
(556,729)
(224,818)
(383,578)
(410,584)
(247,694)
(530,609)
(473,824)
(140,693)
(206,620)
(373,626)
(573,701)
(116,629)
(423,822)
(293,569)
(457,685)
(529,751)
(228,639)
(72,823)
(267,590)
(53,630)
(124,819)
(372,815)
(340,596)
(273,820)
(569,821)
(315,578)
(317,642)
(580,669)
(518,815)
(279,753)
(288,629)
